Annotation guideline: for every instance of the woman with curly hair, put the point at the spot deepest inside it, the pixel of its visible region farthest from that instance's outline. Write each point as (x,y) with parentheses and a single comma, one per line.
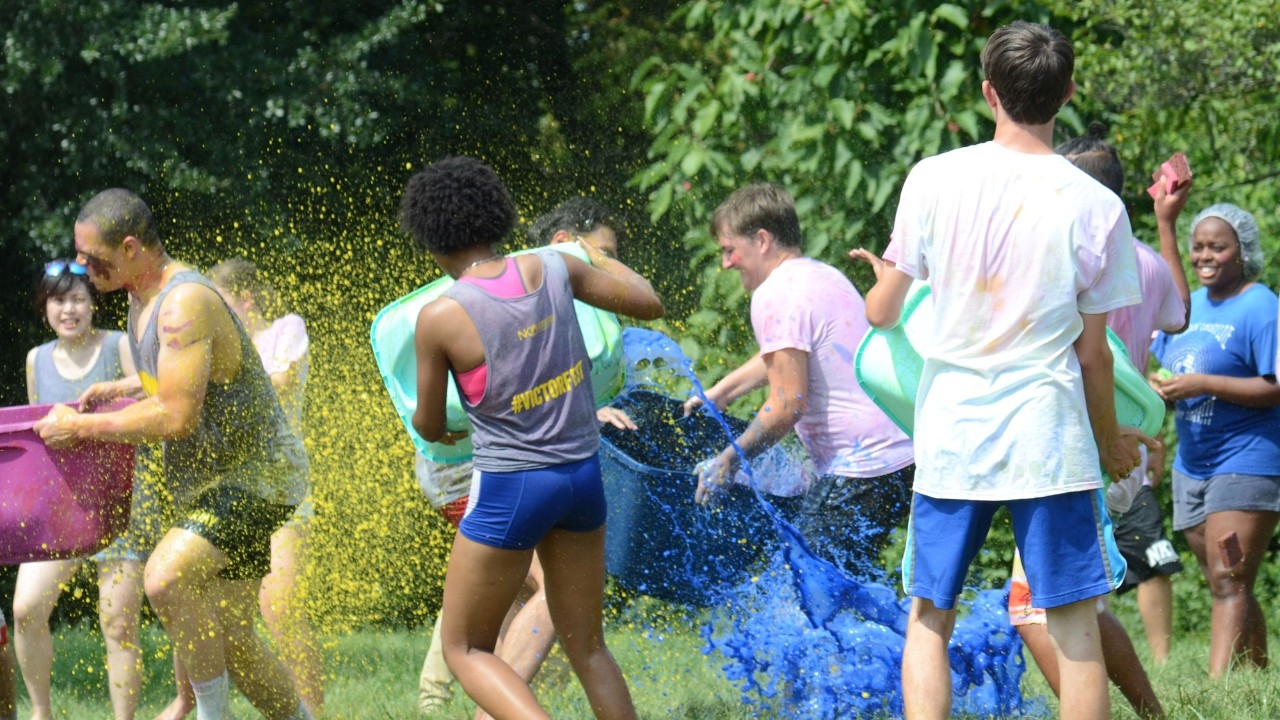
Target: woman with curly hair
(507,334)
(1226,475)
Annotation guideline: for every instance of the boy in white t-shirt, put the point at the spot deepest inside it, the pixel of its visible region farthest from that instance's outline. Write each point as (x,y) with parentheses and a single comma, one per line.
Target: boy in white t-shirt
(1025,255)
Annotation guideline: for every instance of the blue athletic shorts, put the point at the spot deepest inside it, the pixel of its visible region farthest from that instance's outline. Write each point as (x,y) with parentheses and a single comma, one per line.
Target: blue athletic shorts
(513,510)
(1067,545)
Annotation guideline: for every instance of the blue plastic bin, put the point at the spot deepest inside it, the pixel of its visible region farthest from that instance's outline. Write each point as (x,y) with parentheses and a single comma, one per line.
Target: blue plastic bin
(659,543)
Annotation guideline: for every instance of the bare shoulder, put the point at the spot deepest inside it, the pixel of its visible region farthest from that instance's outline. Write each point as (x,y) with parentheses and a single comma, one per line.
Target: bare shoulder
(441,316)
(189,313)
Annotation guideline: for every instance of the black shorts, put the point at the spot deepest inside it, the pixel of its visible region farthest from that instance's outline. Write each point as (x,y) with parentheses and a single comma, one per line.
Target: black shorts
(1141,540)
(240,524)
(847,521)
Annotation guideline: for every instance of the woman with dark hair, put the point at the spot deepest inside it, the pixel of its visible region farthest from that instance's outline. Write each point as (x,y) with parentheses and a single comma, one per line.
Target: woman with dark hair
(507,334)
(1221,375)
(58,372)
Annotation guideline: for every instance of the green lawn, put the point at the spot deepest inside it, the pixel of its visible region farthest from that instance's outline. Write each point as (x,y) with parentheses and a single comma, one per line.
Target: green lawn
(374,675)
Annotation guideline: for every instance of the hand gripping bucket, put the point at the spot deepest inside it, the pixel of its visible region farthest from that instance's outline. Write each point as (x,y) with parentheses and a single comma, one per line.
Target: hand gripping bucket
(58,503)
(658,541)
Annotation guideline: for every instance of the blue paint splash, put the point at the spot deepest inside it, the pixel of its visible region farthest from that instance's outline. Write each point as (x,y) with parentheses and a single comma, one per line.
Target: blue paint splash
(798,638)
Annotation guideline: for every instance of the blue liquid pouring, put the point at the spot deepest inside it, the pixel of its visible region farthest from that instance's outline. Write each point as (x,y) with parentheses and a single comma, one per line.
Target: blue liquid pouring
(799,638)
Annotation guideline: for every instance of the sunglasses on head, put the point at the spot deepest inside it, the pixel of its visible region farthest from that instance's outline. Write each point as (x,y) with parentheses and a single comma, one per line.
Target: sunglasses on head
(57,267)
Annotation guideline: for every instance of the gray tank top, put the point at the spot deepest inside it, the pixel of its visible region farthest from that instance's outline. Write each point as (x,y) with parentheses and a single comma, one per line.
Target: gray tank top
(51,387)
(538,408)
(242,437)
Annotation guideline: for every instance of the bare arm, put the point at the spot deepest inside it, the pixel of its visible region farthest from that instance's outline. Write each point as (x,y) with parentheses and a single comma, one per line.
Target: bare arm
(31,377)
(433,369)
(1253,392)
(885,298)
(610,285)
(1117,447)
(742,380)
(1168,206)
(788,374)
(187,324)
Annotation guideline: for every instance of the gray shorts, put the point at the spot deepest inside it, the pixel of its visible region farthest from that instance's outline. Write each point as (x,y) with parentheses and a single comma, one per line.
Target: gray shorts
(1194,499)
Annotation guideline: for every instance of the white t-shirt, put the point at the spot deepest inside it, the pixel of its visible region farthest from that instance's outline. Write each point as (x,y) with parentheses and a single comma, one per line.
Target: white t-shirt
(282,345)
(808,305)
(1015,246)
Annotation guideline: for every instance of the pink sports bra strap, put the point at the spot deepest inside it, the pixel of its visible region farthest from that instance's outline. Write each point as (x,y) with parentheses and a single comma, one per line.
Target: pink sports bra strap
(508,283)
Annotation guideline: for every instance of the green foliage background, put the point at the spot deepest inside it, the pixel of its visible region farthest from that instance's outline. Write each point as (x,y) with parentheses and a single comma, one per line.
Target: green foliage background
(283,132)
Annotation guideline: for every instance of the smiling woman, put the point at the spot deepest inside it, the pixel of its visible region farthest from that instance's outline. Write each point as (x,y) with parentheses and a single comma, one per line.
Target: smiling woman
(1225,483)
(60,371)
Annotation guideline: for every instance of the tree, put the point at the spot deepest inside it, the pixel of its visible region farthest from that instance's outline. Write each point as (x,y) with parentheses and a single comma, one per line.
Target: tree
(1198,77)
(833,100)
(283,132)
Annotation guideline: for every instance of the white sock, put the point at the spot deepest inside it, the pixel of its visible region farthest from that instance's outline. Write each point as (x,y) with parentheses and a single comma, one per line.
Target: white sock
(213,698)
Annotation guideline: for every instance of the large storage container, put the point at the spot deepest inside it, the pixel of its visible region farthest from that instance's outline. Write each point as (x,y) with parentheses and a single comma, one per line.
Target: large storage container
(58,503)
(660,543)
(889,364)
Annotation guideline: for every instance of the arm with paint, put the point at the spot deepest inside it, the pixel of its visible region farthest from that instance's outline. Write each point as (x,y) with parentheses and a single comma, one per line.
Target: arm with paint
(787,371)
(187,325)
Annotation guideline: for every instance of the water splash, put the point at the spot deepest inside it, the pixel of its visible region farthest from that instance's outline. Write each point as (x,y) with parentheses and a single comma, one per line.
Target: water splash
(798,637)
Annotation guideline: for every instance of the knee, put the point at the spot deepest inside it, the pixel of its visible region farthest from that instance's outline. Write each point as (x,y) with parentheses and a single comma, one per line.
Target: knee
(161,584)
(1223,585)
(33,610)
(581,644)
(118,627)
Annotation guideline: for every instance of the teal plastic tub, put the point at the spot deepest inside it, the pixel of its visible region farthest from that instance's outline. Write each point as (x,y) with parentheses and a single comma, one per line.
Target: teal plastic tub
(392,336)
(889,364)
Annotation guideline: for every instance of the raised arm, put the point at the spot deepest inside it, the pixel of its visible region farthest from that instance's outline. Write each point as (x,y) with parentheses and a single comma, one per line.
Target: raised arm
(1168,206)
(885,298)
(610,285)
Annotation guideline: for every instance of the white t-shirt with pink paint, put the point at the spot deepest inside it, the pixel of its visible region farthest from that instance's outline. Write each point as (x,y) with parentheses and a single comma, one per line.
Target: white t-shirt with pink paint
(810,306)
(1015,246)
(284,345)
(1161,307)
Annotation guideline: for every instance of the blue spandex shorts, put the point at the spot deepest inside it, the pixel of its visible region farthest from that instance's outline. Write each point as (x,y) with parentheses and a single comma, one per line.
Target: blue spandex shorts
(1068,546)
(514,510)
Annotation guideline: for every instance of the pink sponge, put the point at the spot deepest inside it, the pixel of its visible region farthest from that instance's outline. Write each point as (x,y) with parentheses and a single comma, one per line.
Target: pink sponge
(1175,170)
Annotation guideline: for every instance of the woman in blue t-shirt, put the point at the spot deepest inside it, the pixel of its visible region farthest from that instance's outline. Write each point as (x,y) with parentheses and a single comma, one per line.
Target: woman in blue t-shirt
(1226,475)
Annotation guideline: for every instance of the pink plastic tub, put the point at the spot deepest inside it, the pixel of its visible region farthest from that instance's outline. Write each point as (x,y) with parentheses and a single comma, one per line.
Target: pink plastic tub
(58,503)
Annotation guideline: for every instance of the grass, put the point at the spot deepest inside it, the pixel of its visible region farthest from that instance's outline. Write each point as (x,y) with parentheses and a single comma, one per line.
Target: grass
(374,675)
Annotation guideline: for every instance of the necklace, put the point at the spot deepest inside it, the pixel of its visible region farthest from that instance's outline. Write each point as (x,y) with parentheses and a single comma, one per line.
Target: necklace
(481,261)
